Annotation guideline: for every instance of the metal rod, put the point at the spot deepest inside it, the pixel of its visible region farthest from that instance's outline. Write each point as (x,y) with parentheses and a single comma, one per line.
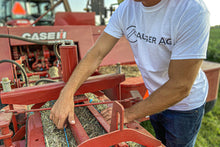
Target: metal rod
(79,105)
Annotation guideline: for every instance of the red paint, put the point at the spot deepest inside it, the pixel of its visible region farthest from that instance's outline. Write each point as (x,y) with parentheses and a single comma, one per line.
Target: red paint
(51,91)
(78,131)
(76,18)
(6,133)
(132,83)
(117,136)
(6,68)
(69,60)
(35,135)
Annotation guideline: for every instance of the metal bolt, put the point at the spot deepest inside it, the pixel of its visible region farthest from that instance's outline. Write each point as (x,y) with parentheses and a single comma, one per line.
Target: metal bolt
(6,84)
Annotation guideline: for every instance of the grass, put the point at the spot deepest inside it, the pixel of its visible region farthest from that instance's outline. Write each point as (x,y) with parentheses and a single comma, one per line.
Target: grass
(209,134)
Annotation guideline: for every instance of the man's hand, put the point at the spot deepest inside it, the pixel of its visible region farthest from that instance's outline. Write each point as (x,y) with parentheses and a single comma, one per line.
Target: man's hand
(63,109)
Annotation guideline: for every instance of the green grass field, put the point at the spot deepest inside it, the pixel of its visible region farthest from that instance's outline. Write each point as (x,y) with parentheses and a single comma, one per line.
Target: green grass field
(209,134)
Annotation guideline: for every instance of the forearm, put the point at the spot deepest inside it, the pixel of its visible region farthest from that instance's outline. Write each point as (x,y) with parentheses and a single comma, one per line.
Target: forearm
(84,69)
(164,97)
(89,63)
(182,74)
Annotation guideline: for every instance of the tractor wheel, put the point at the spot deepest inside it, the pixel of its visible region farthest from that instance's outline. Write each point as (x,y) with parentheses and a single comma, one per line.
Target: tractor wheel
(209,105)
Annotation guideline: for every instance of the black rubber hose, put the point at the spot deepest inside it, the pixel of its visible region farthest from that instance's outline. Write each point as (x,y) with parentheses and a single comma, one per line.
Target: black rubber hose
(22,69)
(45,80)
(25,39)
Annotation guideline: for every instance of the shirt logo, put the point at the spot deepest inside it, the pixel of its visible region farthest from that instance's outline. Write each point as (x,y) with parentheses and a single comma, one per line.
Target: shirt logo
(133,36)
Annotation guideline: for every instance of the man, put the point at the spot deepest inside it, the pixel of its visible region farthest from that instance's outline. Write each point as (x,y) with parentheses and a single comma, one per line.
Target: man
(169,40)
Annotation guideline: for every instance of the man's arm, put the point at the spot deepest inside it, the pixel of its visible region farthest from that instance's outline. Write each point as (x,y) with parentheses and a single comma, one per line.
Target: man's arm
(182,74)
(64,107)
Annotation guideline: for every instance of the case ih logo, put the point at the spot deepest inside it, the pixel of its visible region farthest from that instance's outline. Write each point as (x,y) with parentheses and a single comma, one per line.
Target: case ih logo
(45,35)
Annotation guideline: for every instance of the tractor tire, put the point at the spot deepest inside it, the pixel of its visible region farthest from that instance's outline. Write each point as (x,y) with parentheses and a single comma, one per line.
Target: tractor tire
(209,105)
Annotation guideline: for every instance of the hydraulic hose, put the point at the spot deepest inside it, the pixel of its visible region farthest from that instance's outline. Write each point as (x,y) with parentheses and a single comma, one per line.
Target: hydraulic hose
(25,39)
(45,80)
(22,69)
(54,43)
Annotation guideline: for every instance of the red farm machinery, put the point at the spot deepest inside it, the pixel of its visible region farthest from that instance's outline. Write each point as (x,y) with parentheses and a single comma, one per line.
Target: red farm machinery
(29,54)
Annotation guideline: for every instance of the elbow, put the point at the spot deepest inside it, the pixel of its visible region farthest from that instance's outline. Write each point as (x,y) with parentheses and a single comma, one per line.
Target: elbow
(180,89)
(184,91)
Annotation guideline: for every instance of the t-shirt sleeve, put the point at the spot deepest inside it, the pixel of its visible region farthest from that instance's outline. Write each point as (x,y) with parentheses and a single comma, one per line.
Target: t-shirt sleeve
(114,27)
(192,37)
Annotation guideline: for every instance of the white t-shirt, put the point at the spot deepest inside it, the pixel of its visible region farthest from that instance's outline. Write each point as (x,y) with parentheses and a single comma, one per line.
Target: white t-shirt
(170,30)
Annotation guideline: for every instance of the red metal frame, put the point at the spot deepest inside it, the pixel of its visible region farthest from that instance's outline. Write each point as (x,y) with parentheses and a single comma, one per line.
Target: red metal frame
(78,131)
(77,18)
(6,68)
(117,136)
(47,92)
(35,135)
(69,60)
(5,133)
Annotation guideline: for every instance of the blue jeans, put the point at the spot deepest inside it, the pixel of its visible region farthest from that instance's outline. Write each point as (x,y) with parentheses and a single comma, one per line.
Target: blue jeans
(177,128)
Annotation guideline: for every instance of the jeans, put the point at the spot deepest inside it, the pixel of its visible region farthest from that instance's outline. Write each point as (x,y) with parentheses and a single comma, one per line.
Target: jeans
(177,128)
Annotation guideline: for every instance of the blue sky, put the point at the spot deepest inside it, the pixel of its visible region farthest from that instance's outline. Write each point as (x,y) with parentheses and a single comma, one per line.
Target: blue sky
(213,6)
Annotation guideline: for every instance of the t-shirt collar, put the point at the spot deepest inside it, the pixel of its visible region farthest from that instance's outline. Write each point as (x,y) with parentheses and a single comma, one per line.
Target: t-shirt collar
(153,8)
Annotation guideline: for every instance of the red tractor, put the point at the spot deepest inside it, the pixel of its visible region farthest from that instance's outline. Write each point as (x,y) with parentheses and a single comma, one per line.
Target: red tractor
(25,12)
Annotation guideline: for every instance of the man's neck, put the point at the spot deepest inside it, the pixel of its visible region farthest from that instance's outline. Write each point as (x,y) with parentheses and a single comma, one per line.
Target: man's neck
(150,3)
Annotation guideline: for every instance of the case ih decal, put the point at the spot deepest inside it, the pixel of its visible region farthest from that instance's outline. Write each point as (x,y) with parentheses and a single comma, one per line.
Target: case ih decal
(45,35)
